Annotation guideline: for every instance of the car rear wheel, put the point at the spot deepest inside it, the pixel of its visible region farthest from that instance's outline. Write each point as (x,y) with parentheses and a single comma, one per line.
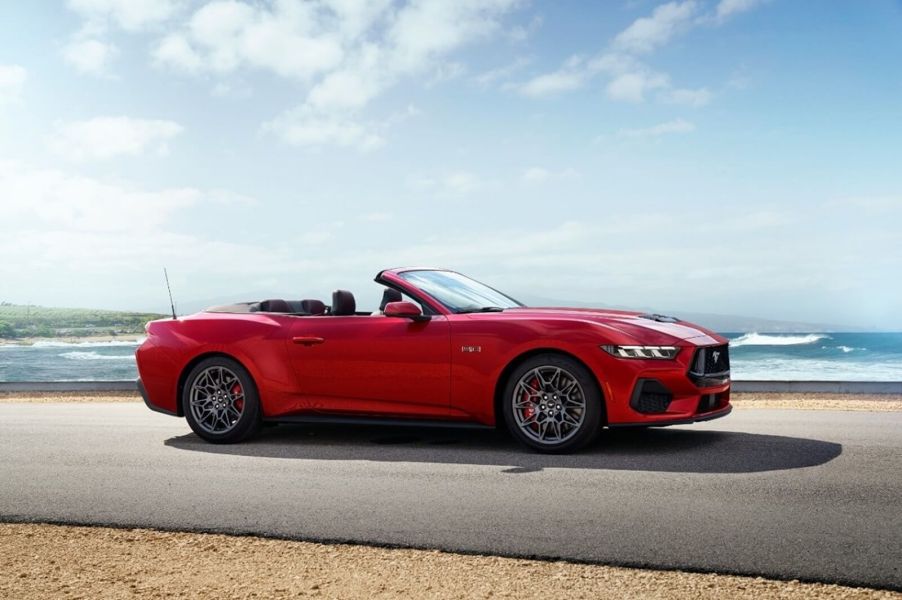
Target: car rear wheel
(220,401)
(552,404)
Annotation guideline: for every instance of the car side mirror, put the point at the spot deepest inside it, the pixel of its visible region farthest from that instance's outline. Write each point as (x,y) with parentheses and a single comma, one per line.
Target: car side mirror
(408,310)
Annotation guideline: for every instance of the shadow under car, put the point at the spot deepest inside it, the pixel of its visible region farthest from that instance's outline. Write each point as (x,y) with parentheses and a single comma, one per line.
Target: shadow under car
(672,450)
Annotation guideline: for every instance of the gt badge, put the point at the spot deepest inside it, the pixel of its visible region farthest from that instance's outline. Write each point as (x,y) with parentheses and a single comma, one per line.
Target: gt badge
(471,348)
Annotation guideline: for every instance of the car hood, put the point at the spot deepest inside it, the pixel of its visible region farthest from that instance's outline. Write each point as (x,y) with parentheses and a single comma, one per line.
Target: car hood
(640,327)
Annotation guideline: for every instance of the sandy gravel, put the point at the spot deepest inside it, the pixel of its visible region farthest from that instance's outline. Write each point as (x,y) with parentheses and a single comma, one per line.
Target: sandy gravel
(878,402)
(48,561)
(819,401)
(48,397)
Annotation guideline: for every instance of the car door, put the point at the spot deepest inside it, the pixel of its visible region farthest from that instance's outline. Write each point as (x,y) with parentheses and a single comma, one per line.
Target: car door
(372,364)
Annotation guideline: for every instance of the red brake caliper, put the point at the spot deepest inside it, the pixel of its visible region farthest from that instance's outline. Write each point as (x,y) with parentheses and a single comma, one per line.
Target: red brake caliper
(530,409)
(236,389)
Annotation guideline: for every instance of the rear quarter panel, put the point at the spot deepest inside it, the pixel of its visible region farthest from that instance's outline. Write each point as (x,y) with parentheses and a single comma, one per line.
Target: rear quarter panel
(258,342)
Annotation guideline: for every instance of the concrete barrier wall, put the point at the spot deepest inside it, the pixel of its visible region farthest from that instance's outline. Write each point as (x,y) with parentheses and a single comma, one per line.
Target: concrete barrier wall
(823,387)
(811,387)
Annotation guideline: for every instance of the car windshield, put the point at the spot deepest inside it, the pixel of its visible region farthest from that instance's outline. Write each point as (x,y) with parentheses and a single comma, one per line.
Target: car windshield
(458,292)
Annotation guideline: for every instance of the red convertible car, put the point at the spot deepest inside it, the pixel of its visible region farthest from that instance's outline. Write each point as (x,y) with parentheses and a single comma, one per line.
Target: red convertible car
(442,349)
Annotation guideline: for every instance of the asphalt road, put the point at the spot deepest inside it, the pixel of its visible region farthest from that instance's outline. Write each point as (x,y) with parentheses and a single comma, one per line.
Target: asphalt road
(813,495)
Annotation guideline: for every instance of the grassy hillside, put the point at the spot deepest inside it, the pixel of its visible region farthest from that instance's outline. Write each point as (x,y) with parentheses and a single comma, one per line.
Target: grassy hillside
(17,321)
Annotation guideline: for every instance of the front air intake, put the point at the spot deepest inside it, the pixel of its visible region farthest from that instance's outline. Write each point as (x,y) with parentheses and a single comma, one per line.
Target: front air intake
(650,396)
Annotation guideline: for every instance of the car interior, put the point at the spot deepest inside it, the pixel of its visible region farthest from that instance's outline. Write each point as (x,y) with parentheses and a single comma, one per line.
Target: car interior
(343,304)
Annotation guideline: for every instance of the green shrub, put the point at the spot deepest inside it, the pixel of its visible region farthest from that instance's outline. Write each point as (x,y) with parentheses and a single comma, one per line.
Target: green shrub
(7,330)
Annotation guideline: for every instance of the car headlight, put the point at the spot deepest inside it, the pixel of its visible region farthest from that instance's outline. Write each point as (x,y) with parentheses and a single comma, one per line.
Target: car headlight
(648,352)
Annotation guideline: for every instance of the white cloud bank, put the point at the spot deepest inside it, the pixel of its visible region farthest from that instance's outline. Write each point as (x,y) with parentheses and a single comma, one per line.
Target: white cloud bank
(629,78)
(347,52)
(56,198)
(102,138)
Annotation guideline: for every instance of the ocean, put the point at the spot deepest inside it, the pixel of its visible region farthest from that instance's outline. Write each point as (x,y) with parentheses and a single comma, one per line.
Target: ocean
(754,356)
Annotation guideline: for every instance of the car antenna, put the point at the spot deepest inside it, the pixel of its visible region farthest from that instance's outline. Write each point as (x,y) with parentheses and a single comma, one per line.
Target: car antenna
(171,303)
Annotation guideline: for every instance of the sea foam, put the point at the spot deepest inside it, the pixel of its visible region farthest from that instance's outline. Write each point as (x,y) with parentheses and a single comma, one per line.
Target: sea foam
(760,339)
(93,356)
(104,344)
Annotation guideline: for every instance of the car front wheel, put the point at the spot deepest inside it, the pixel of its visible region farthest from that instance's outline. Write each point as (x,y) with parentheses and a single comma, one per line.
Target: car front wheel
(220,401)
(552,404)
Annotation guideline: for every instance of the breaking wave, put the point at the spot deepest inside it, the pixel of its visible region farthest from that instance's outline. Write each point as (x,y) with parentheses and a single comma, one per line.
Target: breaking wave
(759,339)
(93,356)
(106,344)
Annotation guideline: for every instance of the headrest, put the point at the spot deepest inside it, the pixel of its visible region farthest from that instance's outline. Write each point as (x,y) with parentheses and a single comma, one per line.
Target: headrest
(389,295)
(343,303)
(277,306)
(313,307)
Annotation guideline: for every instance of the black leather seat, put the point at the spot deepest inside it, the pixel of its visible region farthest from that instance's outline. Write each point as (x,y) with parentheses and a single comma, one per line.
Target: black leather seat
(343,303)
(313,307)
(276,306)
(389,295)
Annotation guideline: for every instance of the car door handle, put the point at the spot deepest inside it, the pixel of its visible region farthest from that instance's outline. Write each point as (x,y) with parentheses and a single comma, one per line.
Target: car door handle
(307,340)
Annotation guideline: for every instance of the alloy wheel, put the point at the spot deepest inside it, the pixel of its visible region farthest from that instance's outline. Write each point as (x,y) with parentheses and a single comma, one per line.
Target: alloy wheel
(549,405)
(217,400)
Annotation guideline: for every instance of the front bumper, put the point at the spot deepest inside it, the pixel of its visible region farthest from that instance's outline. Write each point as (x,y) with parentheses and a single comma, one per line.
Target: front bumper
(665,392)
(721,412)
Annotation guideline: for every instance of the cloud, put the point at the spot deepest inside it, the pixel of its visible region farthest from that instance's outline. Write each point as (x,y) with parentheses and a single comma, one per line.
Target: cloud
(632,87)
(131,15)
(492,76)
(447,71)
(74,202)
(351,87)
(534,176)
(675,126)
(461,182)
(175,50)
(649,33)
(521,33)
(454,183)
(89,55)
(12,80)
(428,29)
(686,97)
(87,240)
(348,52)
(107,137)
(306,126)
(88,50)
(629,78)
(225,35)
(570,76)
(872,205)
(727,8)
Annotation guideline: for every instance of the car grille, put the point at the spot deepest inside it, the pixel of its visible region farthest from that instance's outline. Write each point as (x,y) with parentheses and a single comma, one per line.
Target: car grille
(710,366)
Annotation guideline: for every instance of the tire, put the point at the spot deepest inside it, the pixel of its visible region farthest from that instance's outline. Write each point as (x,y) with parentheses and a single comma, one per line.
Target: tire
(220,401)
(552,404)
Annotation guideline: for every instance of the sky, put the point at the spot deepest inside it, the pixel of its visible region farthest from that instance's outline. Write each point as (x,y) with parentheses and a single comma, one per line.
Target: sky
(721,156)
